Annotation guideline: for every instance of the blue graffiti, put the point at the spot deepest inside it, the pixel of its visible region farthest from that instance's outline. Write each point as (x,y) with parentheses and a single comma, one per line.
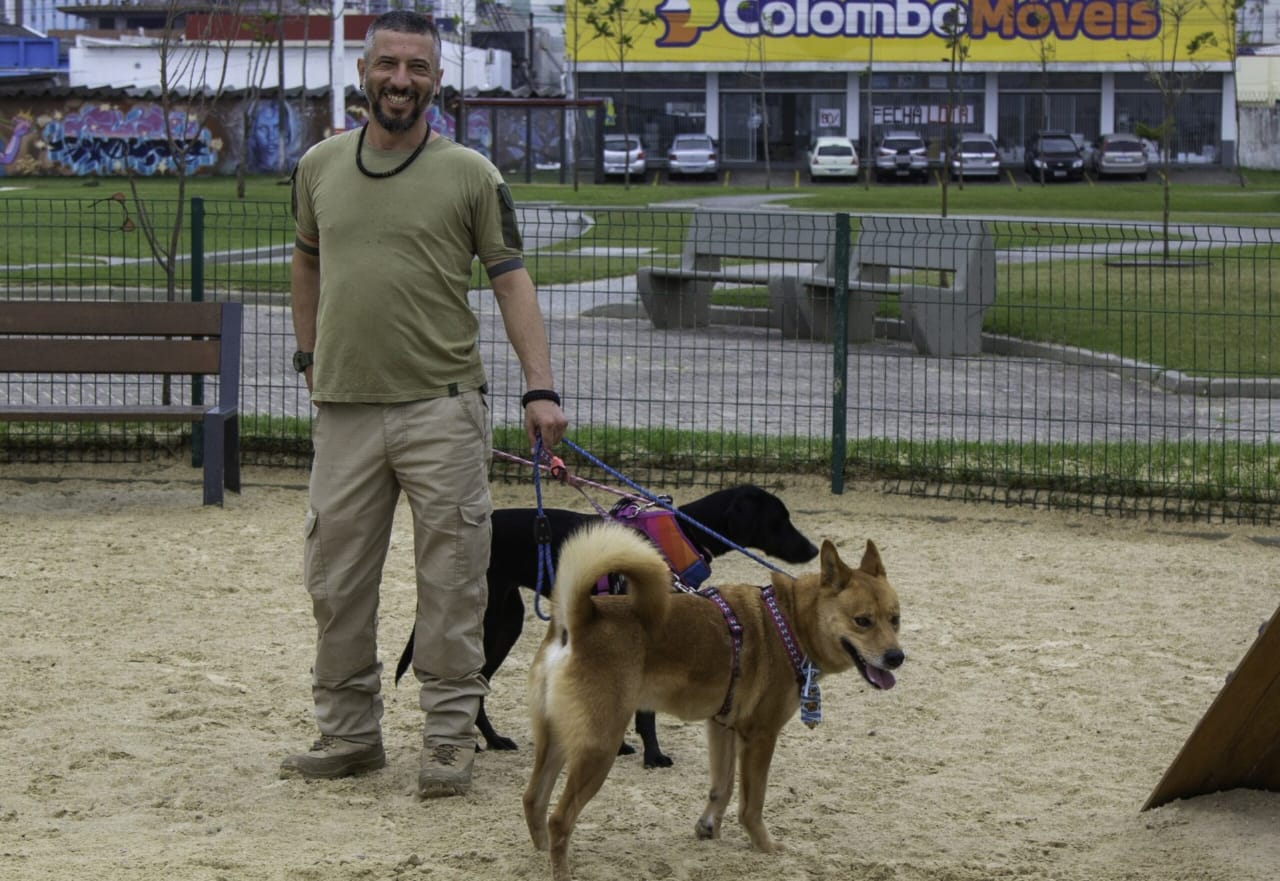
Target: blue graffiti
(104,141)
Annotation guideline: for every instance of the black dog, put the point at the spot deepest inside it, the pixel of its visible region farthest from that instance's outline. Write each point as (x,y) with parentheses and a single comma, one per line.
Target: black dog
(748,516)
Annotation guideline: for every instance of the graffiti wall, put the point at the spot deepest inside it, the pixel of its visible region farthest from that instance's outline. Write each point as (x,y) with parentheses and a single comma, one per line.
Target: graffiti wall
(116,137)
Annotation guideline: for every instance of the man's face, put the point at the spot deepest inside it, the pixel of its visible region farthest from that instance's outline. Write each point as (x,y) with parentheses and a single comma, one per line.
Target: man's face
(401,75)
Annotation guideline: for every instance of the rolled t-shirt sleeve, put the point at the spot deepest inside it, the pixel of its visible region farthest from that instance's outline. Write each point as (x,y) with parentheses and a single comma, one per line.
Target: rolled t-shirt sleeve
(497,228)
(304,215)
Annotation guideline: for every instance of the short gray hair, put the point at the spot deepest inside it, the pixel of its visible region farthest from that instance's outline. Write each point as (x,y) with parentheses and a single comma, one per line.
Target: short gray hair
(402,21)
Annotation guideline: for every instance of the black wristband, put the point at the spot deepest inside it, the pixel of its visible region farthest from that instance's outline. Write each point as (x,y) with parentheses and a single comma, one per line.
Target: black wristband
(539,394)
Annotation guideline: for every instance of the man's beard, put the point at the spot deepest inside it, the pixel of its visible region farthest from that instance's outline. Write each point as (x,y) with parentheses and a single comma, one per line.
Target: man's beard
(397,124)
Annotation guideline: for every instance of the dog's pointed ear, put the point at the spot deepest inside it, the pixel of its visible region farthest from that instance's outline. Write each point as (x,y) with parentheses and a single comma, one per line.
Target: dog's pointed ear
(871,561)
(834,572)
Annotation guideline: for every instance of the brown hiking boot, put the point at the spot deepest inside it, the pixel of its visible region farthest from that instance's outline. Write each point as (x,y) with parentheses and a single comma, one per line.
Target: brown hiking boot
(445,770)
(332,757)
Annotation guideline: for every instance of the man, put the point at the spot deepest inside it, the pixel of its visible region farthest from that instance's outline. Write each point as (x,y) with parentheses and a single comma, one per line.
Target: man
(388,220)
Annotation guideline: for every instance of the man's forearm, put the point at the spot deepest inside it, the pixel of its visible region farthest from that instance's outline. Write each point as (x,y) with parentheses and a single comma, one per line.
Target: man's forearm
(304,289)
(522,318)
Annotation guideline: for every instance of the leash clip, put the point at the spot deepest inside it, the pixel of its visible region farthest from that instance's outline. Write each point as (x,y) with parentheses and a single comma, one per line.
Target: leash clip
(810,698)
(541,529)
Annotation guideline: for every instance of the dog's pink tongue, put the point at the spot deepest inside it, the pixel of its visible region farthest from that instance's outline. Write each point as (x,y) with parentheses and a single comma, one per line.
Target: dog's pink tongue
(880,678)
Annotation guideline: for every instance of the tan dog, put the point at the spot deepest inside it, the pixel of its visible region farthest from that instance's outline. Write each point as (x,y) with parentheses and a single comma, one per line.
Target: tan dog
(604,657)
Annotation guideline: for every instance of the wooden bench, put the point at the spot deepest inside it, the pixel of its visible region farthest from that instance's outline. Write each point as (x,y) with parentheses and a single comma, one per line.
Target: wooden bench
(680,296)
(134,340)
(943,313)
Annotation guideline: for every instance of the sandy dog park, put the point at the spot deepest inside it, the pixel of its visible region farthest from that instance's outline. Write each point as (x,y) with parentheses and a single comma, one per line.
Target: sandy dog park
(155,671)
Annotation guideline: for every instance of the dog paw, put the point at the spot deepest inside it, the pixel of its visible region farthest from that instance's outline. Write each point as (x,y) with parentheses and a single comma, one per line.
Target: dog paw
(657,760)
(626,749)
(498,742)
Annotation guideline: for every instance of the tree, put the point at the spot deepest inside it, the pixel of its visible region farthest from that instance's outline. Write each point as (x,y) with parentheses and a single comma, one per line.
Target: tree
(193,76)
(1046,52)
(753,7)
(956,28)
(1172,83)
(574,37)
(869,170)
(617,22)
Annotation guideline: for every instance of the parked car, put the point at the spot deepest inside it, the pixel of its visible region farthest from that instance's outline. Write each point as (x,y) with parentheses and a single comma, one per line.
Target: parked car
(833,157)
(901,154)
(1119,154)
(692,154)
(1053,155)
(974,156)
(623,153)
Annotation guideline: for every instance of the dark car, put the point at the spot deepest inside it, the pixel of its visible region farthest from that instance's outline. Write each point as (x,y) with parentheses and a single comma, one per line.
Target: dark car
(1053,156)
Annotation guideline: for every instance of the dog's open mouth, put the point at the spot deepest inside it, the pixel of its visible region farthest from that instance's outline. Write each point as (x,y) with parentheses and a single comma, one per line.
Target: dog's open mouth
(881,679)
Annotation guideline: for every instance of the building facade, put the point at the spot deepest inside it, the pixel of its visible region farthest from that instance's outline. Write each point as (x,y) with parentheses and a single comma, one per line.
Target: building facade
(778,73)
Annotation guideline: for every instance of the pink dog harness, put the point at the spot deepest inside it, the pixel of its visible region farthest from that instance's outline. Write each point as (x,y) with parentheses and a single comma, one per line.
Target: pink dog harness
(805,672)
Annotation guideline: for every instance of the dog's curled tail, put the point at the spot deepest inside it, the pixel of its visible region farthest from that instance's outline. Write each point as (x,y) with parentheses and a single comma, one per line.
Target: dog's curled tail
(595,551)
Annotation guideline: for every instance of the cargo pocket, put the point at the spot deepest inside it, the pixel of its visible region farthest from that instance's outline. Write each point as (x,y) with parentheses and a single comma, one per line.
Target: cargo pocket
(312,557)
(471,542)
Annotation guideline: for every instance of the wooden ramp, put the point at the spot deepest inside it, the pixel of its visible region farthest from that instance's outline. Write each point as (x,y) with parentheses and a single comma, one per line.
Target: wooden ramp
(1237,743)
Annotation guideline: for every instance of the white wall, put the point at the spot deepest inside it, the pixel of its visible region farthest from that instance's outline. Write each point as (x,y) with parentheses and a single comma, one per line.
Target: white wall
(98,63)
(1259,145)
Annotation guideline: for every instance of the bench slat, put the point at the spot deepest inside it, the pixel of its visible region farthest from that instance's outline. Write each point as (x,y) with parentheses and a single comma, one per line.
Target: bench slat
(72,338)
(106,319)
(151,356)
(112,413)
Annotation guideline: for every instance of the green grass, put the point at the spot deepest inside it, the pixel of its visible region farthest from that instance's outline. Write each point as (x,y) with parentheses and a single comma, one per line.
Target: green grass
(1258,203)
(1207,474)
(1190,319)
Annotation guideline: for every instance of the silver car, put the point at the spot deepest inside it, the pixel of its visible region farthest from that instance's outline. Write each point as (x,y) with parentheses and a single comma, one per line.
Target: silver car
(623,153)
(1117,154)
(975,156)
(901,155)
(692,154)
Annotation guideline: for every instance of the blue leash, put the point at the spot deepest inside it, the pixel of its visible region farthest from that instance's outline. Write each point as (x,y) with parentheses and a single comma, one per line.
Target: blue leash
(668,506)
(541,535)
(810,694)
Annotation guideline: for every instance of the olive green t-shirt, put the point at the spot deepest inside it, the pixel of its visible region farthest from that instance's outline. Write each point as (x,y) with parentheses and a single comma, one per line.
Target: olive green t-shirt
(393,322)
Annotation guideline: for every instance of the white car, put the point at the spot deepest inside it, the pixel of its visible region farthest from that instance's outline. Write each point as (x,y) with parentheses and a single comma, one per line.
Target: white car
(621,151)
(692,154)
(833,157)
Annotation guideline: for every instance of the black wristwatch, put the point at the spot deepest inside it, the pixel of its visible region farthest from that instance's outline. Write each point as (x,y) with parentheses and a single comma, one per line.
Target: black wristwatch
(303,360)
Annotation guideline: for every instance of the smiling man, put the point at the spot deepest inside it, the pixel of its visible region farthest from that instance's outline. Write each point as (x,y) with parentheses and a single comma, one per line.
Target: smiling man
(388,221)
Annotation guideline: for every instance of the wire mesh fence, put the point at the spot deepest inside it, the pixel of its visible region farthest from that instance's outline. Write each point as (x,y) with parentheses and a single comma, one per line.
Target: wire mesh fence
(1114,366)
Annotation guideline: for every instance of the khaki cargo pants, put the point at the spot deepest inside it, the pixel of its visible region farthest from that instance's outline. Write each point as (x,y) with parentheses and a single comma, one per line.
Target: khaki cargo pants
(437,452)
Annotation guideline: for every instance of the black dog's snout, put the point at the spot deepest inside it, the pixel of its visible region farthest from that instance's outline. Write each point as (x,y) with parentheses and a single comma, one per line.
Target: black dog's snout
(893,658)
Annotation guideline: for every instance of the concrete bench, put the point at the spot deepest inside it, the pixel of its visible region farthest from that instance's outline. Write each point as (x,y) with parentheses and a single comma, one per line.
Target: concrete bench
(70,339)
(943,313)
(777,244)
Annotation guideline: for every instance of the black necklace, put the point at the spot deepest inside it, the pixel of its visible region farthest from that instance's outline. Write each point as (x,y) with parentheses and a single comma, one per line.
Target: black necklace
(399,168)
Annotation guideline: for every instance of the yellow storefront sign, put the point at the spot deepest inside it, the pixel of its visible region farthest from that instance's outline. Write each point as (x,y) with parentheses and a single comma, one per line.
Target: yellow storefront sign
(685,31)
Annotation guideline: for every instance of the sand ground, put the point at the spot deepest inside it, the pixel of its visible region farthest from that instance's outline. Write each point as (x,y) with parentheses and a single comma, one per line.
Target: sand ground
(155,670)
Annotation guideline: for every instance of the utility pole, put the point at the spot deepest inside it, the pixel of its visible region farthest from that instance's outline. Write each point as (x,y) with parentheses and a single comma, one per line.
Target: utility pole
(337,61)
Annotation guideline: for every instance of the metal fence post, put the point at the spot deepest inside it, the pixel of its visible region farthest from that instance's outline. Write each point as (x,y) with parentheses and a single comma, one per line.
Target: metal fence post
(197,296)
(840,353)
